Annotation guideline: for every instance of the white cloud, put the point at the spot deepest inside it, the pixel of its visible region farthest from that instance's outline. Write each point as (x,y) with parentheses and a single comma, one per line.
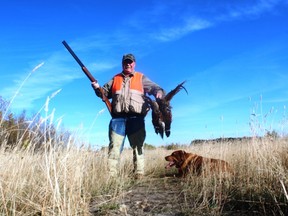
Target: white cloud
(246,10)
(49,76)
(167,26)
(191,25)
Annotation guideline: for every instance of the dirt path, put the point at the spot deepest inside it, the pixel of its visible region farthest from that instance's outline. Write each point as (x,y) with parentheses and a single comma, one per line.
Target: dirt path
(149,196)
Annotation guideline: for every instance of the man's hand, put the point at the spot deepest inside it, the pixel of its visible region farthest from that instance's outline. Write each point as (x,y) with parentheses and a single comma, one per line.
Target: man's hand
(96,87)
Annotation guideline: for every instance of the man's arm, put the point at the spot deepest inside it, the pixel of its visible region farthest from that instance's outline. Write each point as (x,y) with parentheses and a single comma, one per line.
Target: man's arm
(152,88)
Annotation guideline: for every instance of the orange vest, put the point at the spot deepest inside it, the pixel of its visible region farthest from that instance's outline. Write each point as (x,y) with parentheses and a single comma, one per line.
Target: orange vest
(135,83)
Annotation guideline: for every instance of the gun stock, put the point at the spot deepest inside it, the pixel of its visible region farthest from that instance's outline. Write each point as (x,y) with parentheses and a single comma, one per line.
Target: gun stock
(89,75)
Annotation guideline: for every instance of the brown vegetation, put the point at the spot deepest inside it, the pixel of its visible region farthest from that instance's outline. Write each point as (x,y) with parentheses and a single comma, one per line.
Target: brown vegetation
(43,172)
(74,181)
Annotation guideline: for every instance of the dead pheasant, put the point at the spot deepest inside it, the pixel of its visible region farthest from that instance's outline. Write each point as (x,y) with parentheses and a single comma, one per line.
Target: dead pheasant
(161,111)
(157,117)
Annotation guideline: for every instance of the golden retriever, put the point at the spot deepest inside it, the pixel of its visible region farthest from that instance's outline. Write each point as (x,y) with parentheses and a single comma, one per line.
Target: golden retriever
(192,163)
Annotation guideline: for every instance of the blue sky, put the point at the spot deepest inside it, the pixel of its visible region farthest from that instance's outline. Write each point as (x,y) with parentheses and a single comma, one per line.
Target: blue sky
(233,55)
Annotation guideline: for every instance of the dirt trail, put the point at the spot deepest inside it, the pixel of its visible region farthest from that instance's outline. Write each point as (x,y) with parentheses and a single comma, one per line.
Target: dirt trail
(148,196)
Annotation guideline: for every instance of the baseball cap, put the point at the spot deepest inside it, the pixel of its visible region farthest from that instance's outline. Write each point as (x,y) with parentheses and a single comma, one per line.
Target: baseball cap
(128,56)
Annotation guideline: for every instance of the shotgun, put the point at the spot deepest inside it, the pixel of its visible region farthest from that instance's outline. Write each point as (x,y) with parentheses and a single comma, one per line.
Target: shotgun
(89,75)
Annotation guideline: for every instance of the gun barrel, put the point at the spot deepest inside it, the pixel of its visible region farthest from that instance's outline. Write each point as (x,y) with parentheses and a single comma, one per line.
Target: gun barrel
(73,54)
(88,74)
(84,69)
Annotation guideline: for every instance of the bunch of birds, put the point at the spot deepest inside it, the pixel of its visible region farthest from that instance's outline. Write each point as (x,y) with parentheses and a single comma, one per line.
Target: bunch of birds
(162,111)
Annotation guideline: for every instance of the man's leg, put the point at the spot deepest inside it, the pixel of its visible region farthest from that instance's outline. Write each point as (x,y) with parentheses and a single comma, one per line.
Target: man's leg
(116,137)
(136,135)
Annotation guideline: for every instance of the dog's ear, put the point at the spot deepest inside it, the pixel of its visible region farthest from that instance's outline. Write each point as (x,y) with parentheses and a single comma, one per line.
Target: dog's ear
(176,152)
(182,155)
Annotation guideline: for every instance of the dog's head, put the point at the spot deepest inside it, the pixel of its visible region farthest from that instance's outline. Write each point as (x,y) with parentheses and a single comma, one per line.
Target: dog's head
(176,159)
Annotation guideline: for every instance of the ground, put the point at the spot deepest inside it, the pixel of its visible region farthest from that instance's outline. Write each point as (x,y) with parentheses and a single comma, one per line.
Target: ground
(164,196)
(148,196)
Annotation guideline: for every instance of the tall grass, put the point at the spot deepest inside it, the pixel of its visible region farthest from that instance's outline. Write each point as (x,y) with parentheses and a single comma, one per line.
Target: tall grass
(48,183)
(257,186)
(72,181)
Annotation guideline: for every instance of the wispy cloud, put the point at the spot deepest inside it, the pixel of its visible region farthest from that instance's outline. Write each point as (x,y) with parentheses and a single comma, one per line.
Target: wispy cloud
(191,25)
(263,6)
(50,76)
(247,10)
(59,69)
(243,76)
(174,27)
(157,23)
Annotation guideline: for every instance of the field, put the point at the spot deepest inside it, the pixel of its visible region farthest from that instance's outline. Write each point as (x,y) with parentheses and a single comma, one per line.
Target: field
(43,172)
(74,181)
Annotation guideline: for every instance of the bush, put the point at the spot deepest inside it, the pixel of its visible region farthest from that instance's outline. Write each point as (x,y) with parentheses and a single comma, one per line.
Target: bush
(149,147)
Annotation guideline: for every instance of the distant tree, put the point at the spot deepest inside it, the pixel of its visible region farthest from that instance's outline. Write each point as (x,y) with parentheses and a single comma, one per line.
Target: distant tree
(272,134)
(149,146)
(173,146)
(23,132)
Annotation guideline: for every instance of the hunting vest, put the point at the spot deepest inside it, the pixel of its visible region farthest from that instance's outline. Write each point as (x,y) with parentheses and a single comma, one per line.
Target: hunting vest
(128,95)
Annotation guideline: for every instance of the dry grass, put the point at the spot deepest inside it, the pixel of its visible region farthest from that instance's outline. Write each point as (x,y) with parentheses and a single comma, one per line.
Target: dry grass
(66,181)
(257,186)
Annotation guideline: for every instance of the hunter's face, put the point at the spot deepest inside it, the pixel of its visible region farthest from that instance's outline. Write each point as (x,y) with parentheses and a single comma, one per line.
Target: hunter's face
(128,66)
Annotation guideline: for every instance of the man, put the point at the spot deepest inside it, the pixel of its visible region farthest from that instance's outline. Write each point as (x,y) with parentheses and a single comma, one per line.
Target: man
(127,90)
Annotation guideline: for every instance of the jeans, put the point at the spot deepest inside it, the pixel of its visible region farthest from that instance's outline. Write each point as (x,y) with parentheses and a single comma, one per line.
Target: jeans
(134,128)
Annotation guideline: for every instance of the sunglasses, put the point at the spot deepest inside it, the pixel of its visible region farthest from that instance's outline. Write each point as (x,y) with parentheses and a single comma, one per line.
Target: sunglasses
(127,61)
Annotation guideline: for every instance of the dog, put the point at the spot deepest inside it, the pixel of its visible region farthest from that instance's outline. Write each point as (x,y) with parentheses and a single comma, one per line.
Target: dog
(192,163)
